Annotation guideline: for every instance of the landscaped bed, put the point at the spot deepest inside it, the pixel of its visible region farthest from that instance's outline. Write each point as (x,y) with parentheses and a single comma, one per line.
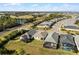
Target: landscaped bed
(70,31)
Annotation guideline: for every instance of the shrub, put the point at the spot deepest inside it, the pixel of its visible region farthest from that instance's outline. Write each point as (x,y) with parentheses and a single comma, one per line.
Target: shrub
(5,51)
(14,34)
(19,52)
(2,41)
(10,36)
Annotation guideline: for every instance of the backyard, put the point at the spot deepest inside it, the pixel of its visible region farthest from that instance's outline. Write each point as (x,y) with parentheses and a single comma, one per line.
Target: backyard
(34,48)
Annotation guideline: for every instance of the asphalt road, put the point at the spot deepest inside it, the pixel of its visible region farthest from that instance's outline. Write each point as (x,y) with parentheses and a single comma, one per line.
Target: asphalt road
(56,27)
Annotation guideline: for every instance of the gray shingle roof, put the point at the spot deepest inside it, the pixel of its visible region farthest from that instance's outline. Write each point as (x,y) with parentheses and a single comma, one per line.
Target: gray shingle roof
(32,32)
(46,23)
(66,38)
(77,41)
(71,27)
(52,37)
(44,34)
(25,36)
(40,34)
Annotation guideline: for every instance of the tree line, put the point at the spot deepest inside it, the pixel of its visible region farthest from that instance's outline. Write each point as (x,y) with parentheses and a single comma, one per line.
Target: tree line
(7,22)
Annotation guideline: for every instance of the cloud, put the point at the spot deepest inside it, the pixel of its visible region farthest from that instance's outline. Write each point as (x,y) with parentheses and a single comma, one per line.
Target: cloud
(11,4)
(35,5)
(50,7)
(66,5)
(63,7)
(40,7)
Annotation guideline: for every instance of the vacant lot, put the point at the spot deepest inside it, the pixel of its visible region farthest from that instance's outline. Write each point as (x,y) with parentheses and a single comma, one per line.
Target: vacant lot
(34,48)
(23,17)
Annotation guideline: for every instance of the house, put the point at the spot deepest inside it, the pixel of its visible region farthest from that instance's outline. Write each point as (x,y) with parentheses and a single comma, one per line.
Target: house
(51,40)
(77,17)
(71,27)
(46,24)
(76,39)
(31,32)
(25,37)
(67,42)
(53,20)
(40,35)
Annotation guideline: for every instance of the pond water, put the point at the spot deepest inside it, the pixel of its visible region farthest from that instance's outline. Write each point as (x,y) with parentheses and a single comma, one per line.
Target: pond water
(20,21)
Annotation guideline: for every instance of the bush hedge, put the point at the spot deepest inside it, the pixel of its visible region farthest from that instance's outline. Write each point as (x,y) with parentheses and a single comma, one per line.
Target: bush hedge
(14,34)
(10,36)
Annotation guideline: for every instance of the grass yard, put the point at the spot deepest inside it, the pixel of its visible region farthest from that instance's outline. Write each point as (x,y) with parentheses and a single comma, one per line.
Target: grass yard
(23,17)
(34,48)
(4,34)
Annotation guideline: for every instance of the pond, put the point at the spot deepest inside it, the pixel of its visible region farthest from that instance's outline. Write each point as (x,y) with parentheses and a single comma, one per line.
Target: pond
(21,21)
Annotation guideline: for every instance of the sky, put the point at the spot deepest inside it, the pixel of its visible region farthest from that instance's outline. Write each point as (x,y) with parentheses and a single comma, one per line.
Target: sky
(39,7)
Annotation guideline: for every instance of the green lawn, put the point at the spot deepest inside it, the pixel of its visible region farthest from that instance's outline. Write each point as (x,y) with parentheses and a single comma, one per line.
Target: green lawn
(4,34)
(34,48)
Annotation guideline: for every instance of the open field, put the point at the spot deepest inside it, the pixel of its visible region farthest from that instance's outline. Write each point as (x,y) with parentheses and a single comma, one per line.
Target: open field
(23,17)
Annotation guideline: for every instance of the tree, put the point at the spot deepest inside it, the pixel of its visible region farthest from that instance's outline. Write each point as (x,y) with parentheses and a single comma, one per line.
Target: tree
(6,51)
(19,51)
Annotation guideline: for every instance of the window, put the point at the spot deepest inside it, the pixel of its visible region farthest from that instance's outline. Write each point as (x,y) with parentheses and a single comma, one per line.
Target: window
(67,46)
(53,45)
